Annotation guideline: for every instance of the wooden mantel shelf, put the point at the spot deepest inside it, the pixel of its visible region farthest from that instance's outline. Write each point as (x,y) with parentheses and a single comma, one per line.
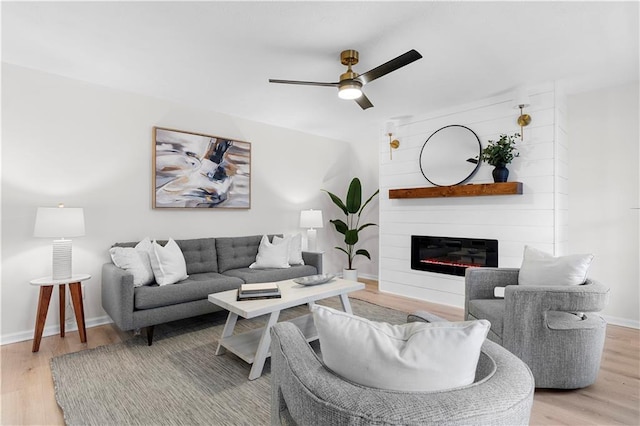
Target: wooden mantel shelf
(470,190)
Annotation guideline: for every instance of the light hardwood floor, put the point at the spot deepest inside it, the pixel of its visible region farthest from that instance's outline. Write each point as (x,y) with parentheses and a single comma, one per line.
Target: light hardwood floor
(27,396)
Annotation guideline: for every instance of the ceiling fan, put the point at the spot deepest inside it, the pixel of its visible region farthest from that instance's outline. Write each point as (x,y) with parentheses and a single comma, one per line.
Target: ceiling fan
(350,84)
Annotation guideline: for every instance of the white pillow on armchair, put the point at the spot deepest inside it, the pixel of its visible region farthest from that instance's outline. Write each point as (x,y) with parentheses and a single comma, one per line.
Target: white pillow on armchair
(415,356)
(540,268)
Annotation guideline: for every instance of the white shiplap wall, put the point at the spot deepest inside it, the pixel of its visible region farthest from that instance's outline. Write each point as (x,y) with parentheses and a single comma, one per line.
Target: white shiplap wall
(537,217)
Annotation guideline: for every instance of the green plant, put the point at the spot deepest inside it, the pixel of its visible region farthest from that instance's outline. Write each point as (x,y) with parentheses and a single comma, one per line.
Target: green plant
(352,207)
(502,152)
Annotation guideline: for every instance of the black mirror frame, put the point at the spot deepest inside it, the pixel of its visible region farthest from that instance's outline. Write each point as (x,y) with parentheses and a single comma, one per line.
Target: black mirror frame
(471,160)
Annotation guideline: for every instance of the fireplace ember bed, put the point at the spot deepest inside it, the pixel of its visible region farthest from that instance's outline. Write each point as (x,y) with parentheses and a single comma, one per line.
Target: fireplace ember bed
(452,255)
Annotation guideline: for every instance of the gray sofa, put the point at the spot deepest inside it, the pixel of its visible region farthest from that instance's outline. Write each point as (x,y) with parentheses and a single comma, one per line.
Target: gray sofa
(213,265)
(304,392)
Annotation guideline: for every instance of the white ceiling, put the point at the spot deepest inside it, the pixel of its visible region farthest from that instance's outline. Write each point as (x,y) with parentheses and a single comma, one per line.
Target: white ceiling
(219,55)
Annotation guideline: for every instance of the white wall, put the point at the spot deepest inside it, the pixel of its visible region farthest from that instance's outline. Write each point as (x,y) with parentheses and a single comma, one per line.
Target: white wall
(604,192)
(514,220)
(90,146)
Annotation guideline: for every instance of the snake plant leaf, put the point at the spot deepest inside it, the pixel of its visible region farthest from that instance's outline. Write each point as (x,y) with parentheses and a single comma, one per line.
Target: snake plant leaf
(354,196)
(341,227)
(368,201)
(337,201)
(351,237)
(363,252)
(366,225)
(341,249)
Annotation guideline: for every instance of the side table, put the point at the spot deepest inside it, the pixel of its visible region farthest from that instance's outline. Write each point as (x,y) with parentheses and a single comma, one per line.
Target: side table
(46,288)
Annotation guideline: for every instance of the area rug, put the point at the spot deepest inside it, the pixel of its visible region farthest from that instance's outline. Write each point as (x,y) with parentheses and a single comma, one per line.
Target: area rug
(178,380)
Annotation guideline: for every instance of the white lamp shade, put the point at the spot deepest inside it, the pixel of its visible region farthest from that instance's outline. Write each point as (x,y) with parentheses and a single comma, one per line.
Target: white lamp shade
(389,127)
(311,219)
(59,222)
(522,98)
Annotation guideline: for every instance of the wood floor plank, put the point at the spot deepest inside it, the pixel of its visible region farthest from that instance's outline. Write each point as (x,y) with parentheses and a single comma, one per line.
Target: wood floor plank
(27,395)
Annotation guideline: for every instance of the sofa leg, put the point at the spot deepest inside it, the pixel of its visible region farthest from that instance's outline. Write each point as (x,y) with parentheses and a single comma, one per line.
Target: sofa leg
(150,335)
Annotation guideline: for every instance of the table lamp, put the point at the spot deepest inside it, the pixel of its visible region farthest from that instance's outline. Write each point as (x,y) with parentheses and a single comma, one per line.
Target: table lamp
(311,219)
(60,222)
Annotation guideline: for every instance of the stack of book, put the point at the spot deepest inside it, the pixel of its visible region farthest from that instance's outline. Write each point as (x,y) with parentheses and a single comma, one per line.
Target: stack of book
(259,291)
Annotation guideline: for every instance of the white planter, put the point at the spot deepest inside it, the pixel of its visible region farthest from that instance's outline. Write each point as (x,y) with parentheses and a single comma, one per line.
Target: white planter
(350,274)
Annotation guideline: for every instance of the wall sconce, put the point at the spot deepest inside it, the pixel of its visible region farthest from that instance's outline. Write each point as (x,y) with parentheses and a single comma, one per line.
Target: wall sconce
(393,143)
(522,101)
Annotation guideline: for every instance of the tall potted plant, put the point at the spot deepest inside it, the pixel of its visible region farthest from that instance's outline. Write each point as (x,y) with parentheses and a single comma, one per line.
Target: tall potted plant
(499,154)
(352,207)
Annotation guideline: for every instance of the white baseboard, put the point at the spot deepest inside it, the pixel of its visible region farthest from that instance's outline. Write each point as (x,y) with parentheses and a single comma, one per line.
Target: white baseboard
(51,330)
(367,276)
(622,322)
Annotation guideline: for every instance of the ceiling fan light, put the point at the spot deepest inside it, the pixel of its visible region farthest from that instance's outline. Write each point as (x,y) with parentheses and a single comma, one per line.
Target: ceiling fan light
(350,90)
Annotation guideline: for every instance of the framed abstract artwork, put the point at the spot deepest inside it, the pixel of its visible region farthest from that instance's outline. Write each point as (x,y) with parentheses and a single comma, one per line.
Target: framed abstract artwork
(192,170)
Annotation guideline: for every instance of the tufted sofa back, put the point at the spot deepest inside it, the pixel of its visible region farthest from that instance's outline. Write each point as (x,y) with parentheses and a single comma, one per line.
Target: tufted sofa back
(215,254)
(199,254)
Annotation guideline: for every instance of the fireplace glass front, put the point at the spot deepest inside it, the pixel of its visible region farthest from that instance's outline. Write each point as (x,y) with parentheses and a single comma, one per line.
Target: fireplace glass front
(451,255)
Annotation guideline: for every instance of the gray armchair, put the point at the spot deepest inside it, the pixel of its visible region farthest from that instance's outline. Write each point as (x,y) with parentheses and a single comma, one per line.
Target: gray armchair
(553,329)
(304,392)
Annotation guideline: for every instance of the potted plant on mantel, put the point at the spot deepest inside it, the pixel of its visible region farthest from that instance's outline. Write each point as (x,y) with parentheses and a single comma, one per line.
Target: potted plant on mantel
(499,154)
(352,207)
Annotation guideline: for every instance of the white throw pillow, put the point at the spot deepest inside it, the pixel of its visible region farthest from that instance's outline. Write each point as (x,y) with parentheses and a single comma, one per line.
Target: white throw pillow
(135,261)
(168,263)
(415,356)
(295,248)
(271,255)
(540,268)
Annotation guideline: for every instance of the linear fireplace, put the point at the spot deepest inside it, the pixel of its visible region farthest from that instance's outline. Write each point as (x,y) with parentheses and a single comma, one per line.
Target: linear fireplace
(450,255)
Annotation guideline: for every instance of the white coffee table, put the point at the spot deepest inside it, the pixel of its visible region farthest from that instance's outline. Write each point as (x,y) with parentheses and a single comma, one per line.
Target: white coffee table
(253,346)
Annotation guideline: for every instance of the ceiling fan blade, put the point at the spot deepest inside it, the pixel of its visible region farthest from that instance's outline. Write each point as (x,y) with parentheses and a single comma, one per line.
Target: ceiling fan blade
(363,101)
(392,65)
(304,83)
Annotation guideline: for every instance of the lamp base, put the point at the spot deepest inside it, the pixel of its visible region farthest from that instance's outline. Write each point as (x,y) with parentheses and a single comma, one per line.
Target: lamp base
(61,259)
(312,244)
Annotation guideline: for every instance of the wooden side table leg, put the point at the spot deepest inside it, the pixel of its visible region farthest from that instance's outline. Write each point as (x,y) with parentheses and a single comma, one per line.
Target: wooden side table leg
(78,307)
(61,291)
(41,315)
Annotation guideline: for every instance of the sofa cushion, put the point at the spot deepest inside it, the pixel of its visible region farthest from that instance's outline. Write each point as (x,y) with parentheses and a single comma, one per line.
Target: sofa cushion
(200,255)
(135,260)
(196,287)
(295,248)
(167,262)
(491,310)
(417,356)
(266,275)
(237,252)
(271,255)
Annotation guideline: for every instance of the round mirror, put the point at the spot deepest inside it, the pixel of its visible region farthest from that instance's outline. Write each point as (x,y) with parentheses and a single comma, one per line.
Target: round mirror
(450,156)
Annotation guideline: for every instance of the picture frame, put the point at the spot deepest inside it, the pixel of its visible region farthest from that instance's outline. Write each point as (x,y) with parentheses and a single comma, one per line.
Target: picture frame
(195,170)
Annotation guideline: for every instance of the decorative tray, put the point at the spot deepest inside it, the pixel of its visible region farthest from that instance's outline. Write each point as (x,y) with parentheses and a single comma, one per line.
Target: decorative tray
(314,279)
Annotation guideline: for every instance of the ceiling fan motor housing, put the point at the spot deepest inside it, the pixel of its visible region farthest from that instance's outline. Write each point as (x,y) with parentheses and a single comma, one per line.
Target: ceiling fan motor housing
(349,57)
